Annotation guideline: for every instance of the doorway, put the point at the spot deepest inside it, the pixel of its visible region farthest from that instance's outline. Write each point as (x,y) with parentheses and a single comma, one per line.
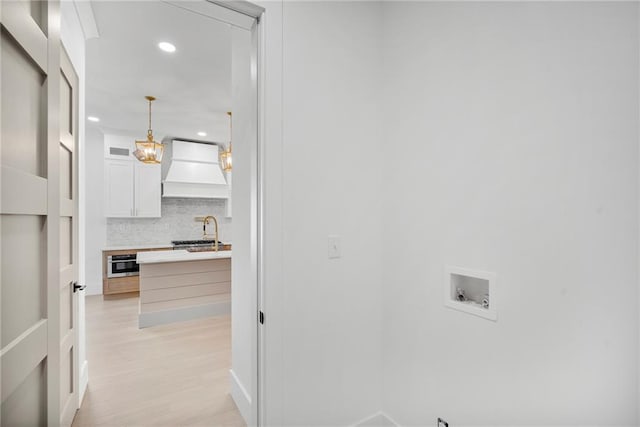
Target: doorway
(242,20)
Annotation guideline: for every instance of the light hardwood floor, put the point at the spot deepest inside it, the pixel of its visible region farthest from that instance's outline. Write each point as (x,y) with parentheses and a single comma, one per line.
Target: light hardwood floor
(170,375)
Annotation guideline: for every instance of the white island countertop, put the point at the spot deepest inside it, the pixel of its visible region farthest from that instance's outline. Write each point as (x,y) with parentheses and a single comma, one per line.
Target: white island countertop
(179,256)
(133,247)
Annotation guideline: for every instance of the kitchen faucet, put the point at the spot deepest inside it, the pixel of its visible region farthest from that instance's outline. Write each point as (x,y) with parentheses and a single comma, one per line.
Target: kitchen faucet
(204,230)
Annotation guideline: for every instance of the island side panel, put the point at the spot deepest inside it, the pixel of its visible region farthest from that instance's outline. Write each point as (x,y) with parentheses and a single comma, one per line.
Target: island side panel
(177,291)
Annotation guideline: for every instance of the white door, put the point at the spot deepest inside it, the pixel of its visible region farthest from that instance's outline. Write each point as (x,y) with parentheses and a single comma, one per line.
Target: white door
(119,188)
(147,189)
(69,287)
(30,222)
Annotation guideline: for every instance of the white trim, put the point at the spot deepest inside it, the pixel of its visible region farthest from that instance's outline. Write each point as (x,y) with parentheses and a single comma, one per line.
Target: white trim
(240,396)
(270,397)
(87,20)
(163,317)
(379,419)
(241,6)
(224,12)
(638,293)
(84,382)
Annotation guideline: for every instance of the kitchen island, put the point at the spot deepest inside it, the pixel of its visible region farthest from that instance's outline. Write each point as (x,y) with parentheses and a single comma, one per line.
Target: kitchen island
(178,285)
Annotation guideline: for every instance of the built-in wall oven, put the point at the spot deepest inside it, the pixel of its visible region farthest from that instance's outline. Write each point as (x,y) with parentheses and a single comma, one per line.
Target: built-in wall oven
(122,266)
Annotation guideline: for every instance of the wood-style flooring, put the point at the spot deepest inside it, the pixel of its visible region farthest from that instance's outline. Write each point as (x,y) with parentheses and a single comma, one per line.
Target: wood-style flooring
(170,375)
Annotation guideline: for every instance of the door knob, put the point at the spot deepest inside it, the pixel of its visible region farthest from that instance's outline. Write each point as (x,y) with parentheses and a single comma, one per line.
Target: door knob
(77,287)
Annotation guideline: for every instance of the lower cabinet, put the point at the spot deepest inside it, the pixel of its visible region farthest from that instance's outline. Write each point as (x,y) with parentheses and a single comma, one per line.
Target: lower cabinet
(122,285)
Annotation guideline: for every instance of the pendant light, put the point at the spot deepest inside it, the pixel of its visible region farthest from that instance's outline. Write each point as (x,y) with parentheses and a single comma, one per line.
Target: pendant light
(225,155)
(149,151)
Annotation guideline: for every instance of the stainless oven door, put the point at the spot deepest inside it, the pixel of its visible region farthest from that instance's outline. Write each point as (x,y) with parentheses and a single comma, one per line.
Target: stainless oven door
(122,266)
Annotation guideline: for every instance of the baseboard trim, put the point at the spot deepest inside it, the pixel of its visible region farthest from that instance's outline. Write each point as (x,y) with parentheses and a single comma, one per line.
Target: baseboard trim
(163,317)
(240,397)
(379,419)
(84,381)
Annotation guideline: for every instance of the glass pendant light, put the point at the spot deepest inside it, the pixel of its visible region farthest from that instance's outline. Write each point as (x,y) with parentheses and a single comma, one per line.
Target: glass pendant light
(149,151)
(225,155)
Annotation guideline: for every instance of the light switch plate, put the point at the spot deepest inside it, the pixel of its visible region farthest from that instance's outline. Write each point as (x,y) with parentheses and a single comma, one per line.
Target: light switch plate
(334,247)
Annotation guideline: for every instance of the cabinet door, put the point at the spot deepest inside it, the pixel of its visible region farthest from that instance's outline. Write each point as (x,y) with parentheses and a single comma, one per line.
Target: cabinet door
(148,194)
(119,188)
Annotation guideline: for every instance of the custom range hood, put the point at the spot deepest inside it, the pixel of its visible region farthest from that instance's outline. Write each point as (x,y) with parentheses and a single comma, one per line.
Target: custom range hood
(191,169)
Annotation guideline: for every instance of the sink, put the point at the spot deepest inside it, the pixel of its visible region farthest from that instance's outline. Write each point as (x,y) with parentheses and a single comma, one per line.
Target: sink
(209,248)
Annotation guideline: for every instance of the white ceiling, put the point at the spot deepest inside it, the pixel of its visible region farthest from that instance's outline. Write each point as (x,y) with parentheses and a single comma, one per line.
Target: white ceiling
(192,85)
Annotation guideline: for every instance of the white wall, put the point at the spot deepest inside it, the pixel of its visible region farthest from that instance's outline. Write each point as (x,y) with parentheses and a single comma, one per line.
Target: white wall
(331,165)
(514,131)
(96,222)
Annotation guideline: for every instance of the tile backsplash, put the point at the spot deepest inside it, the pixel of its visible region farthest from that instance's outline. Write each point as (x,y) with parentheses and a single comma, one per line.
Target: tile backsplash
(177,223)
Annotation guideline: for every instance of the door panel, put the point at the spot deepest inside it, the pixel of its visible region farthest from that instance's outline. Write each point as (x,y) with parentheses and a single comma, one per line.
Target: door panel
(38,13)
(19,22)
(27,406)
(23,274)
(24,119)
(66,245)
(66,107)
(66,168)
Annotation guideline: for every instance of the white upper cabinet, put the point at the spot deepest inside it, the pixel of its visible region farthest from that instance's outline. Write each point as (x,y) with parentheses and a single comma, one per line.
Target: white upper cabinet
(132,189)
(147,190)
(119,193)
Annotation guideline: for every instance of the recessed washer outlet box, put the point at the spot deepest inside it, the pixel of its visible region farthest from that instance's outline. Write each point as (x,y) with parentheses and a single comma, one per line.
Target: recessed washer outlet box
(471,291)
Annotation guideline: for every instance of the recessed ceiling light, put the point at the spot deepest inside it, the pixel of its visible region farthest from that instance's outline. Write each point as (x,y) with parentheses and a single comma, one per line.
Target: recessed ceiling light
(93,119)
(202,134)
(167,47)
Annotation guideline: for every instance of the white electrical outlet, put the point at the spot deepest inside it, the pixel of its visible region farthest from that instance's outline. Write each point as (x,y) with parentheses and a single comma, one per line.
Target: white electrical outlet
(334,247)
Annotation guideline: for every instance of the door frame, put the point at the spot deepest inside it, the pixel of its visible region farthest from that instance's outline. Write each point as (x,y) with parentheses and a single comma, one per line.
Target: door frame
(257,15)
(252,17)
(258,48)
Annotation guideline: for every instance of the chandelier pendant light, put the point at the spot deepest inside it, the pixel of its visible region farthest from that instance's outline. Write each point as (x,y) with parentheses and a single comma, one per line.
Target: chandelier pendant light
(226,160)
(149,151)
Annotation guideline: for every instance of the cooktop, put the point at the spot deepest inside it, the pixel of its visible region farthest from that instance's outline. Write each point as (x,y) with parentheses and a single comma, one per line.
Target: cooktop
(202,242)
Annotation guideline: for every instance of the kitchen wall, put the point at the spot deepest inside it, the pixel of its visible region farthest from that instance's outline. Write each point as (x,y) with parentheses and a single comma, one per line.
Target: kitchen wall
(177,223)
(514,136)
